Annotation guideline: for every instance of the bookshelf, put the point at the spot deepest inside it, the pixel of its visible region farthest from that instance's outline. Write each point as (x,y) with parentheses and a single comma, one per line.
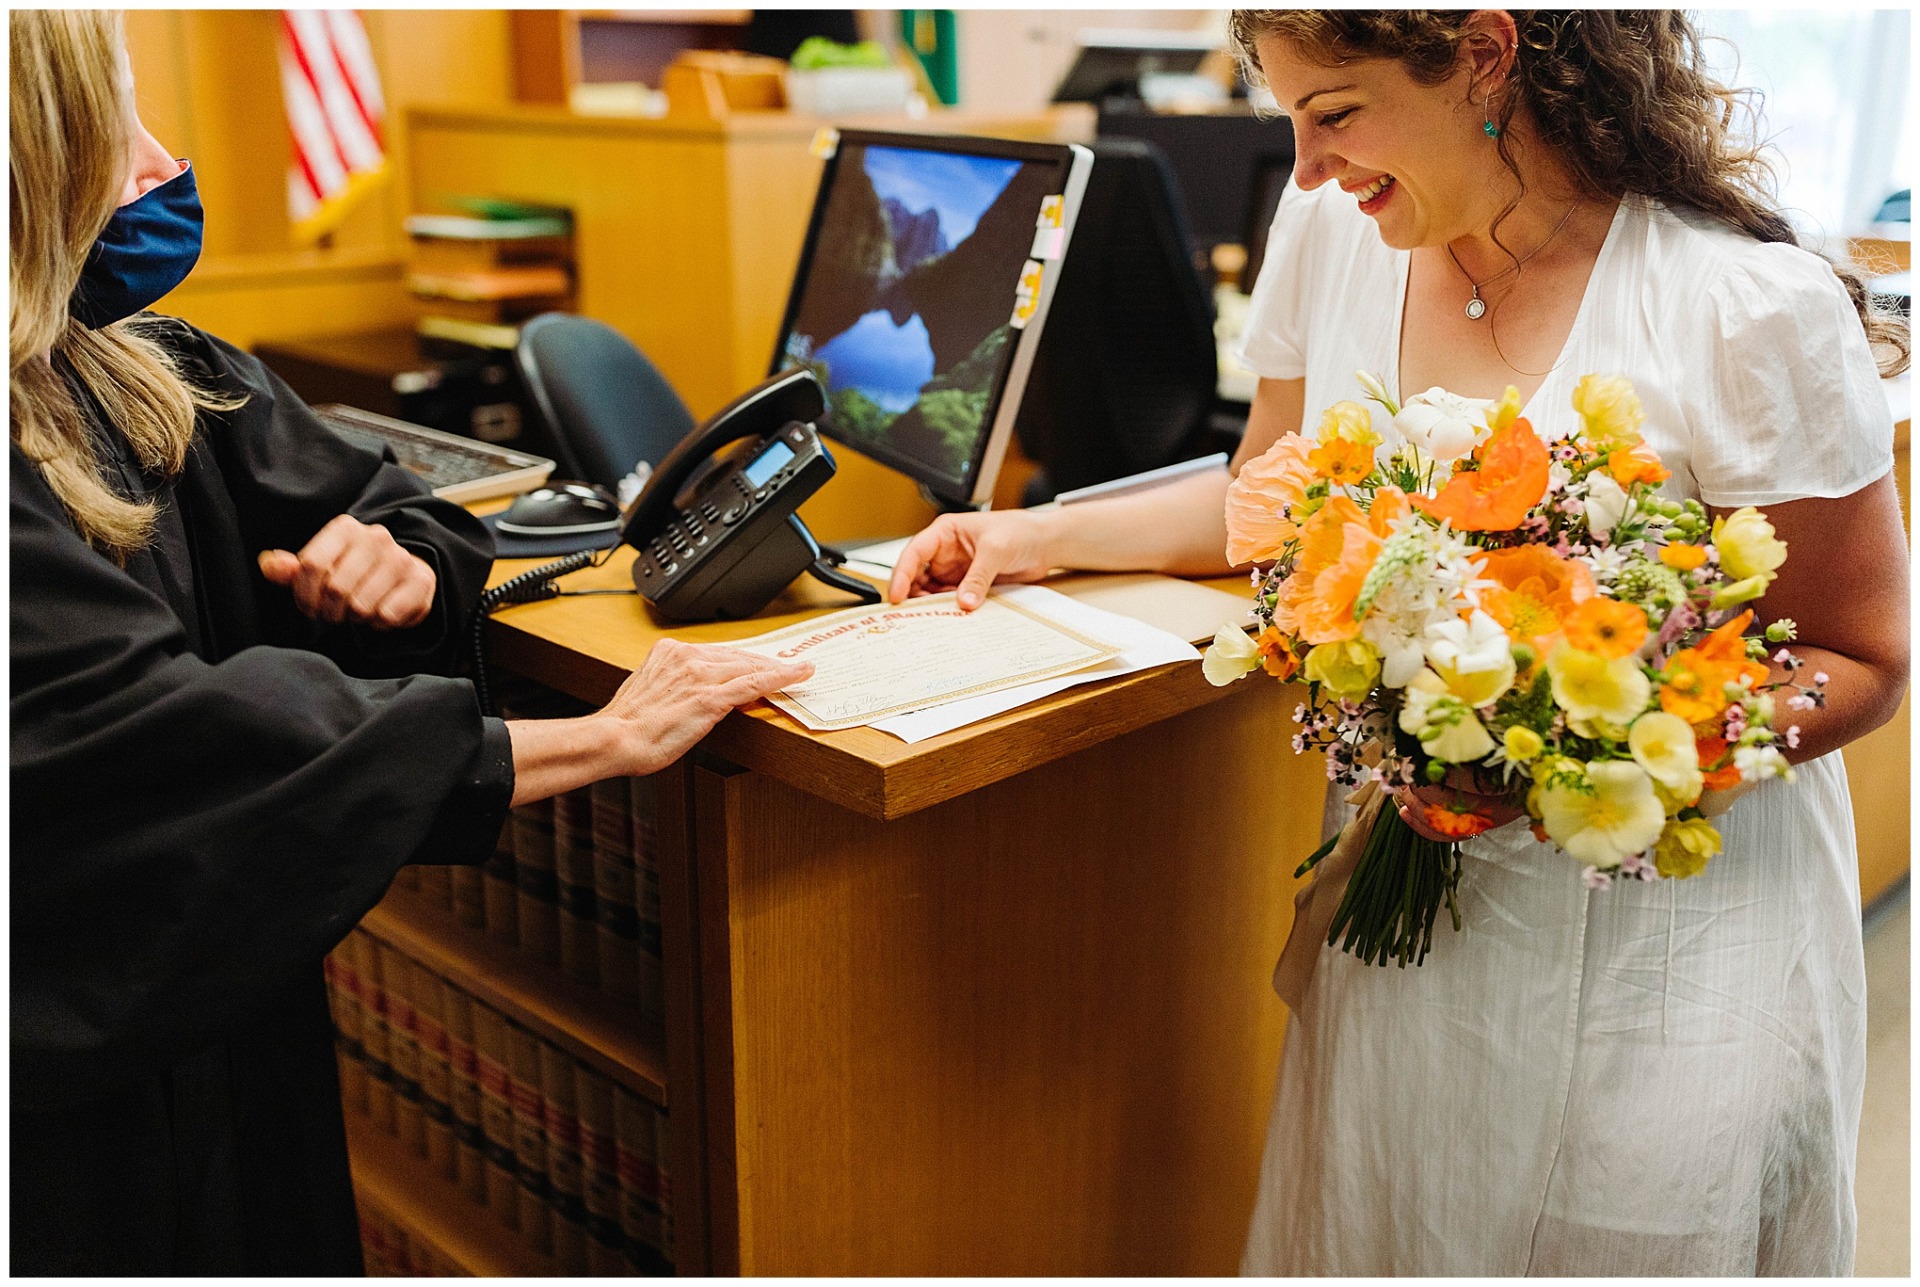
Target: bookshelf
(392,1182)
(593,1027)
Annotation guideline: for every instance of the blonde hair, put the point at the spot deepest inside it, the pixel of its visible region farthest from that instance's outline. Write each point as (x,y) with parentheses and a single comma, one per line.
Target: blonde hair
(71,128)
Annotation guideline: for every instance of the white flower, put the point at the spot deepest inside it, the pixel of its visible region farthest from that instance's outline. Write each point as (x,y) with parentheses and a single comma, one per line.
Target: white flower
(1758,763)
(1444,425)
(1606,503)
(1619,815)
(1401,656)
(1662,744)
(1473,657)
(1445,725)
(1558,476)
(1231,656)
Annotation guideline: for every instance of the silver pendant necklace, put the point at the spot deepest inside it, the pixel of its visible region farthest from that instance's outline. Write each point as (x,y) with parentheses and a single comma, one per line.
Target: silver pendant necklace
(1477,307)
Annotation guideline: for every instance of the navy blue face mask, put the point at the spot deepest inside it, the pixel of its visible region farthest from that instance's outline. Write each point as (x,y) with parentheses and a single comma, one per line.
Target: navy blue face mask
(147,248)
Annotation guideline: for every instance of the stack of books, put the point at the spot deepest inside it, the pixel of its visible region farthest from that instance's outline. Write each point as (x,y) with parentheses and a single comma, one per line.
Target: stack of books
(574,881)
(483,272)
(573,1161)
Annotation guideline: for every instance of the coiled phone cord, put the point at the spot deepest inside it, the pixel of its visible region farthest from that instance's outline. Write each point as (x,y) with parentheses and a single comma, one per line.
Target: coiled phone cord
(529,587)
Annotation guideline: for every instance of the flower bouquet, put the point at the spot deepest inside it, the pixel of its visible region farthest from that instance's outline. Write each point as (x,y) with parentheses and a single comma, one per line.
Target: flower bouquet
(1487,610)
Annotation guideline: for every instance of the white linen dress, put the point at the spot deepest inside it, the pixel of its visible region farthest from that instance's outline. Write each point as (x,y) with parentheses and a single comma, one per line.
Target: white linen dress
(1655,1078)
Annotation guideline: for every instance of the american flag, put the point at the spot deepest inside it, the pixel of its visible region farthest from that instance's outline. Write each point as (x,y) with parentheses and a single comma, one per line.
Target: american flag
(334,112)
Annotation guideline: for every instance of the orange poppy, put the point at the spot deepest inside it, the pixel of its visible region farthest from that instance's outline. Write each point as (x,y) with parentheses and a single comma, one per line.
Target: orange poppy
(1710,749)
(1341,460)
(1726,647)
(1637,464)
(1682,557)
(1326,612)
(1607,627)
(1454,821)
(1538,591)
(1276,655)
(1497,496)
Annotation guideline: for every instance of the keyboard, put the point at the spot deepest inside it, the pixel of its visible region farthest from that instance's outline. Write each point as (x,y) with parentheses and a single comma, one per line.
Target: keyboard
(454,468)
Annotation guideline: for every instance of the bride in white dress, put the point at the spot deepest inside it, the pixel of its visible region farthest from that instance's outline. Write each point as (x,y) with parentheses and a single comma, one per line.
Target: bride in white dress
(1655,1078)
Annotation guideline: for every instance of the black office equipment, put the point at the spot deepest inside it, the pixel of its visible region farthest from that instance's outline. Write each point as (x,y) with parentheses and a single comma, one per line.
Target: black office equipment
(604,405)
(1270,178)
(1110,64)
(922,293)
(454,468)
(565,509)
(725,545)
(1125,377)
(1218,157)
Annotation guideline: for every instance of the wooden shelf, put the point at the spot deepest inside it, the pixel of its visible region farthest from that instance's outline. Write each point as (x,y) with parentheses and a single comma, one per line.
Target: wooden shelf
(400,1186)
(611,1035)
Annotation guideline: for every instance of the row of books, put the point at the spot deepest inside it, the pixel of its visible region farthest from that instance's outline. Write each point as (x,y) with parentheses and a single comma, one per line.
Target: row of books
(569,1158)
(574,881)
(394,1251)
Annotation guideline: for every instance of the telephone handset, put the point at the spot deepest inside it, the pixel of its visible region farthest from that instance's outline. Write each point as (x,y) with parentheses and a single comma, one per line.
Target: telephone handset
(736,542)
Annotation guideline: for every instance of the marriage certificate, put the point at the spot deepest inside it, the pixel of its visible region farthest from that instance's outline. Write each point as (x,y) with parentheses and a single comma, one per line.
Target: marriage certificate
(870,663)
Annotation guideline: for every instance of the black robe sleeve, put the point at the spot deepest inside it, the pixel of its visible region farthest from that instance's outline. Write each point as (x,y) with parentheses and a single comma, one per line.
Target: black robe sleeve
(188,834)
(289,474)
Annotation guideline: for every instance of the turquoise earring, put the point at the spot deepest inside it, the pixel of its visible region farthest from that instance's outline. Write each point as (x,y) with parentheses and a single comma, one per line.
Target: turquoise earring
(1492,130)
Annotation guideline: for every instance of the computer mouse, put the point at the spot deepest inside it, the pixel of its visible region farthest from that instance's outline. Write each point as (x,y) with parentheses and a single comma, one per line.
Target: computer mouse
(562,509)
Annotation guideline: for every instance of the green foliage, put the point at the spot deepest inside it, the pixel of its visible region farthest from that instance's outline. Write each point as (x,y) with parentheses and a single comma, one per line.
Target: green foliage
(860,416)
(817,52)
(954,416)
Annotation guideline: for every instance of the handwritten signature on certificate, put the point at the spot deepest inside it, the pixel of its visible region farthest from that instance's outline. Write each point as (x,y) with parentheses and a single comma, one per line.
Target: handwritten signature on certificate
(872,663)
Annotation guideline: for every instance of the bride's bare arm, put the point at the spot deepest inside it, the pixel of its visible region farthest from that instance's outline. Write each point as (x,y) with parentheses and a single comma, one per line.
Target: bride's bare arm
(1178,529)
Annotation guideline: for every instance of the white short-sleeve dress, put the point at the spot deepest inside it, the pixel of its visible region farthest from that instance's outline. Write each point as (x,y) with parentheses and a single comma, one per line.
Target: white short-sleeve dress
(1655,1078)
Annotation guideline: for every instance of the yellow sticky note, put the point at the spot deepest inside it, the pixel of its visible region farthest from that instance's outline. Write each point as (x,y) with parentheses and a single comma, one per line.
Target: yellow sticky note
(826,141)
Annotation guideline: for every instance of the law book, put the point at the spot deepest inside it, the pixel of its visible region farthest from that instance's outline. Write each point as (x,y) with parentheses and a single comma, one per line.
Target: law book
(539,920)
(600,1175)
(343,1001)
(468,899)
(482,254)
(381,1246)
(500,886)
(616,913)
(463,1079)
(436,886)
(436,1073)
(374,1034)
(573,876)
(499,282)
(403,1049)
(566,1197)
(496,1113)
(529,1138)
(637,1162)
(645,796)
(663,1180)
(470,1142)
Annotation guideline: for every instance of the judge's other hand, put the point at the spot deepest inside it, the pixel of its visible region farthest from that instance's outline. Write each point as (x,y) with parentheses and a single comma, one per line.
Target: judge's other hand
(1462,788)
(354,572)
(680,691)
(968,553)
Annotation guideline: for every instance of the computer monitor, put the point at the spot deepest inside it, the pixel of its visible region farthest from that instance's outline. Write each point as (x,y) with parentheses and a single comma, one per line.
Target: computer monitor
(1111,64)
(922,293)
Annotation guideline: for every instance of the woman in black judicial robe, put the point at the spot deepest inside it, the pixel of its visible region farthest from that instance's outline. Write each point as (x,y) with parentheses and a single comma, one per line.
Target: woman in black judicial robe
(219,759)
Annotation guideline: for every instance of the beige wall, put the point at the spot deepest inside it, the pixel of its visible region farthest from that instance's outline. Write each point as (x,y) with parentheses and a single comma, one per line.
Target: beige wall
(1011,59)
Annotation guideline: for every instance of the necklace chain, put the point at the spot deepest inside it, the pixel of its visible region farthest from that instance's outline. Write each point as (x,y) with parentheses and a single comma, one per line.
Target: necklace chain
(1477,307)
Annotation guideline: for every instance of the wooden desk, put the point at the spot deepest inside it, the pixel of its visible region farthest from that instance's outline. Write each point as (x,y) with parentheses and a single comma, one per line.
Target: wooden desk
(993,1003)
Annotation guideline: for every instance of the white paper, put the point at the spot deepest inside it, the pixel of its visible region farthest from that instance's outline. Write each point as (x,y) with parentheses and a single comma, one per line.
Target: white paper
(1148,648)
(873,663)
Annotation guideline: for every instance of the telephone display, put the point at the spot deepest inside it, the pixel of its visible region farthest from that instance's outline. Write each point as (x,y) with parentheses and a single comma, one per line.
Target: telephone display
(732,544)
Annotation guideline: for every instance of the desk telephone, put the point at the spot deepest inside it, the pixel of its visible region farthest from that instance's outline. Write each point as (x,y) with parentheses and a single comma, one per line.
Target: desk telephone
(717,535)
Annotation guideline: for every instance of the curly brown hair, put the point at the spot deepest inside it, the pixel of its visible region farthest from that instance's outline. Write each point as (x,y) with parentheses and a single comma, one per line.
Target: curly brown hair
(1622,96)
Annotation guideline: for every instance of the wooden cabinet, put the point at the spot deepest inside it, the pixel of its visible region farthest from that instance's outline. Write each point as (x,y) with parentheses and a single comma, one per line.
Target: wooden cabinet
(557,49)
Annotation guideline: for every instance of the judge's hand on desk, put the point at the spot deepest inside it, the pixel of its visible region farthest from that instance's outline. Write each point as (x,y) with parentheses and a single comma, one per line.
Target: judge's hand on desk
(968,553)
(679,692)
(354,572)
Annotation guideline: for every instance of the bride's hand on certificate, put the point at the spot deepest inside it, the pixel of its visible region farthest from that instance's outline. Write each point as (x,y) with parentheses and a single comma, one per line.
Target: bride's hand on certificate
(682,690)
(968,553)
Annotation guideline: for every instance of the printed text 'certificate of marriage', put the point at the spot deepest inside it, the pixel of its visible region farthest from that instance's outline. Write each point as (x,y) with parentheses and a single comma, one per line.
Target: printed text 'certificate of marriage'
(870,663)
